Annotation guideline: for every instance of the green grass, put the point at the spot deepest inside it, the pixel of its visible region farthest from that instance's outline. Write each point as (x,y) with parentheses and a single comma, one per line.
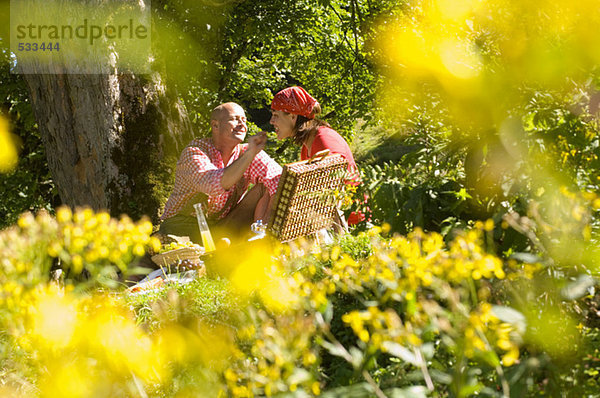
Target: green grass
(205,298)
(376,144)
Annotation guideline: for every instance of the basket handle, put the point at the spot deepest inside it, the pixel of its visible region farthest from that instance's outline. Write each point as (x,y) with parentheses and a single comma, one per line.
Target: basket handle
(318,156)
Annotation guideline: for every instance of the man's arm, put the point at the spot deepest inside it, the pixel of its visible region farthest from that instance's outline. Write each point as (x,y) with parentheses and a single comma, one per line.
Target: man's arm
(235,171)
(267,174)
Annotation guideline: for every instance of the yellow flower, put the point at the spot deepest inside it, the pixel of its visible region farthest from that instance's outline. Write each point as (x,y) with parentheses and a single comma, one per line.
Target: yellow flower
(54,319)
(138,250)
(8,150)
(478,343)
(103,217)
(335,253)
(315,388)
(77,262)
(309,358)
(25,220)
(504,344)
(230,375)
(374,231)
(68,379)
(386,228)
(145,227)
(63,214)
(414,339)
(511,357)
(54,249)
(489,225)
(277,294)
(103,252)
(363,335)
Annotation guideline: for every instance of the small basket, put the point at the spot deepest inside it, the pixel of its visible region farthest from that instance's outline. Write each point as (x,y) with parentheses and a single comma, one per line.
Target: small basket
(173,256)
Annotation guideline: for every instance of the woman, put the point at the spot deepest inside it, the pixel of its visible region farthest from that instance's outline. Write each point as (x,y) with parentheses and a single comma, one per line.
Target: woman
(294,114)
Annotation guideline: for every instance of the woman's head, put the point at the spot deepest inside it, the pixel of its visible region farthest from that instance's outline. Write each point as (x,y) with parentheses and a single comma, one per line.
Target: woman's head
(293,114)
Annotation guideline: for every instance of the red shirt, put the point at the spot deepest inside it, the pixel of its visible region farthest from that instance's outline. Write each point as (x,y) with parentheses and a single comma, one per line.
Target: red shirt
(200,169)
(327,138)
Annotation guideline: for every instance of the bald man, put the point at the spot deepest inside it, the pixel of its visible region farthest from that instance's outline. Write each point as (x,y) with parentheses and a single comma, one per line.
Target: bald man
(217,172)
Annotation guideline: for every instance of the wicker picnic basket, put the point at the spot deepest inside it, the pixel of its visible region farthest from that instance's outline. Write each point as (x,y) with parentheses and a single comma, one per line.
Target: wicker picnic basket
(305,201)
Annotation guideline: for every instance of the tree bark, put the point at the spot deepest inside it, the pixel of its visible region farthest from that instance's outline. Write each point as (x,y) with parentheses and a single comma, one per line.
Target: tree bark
(111,140)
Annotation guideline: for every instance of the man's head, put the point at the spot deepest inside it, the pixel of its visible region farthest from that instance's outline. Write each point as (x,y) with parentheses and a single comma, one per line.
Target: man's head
(228,124)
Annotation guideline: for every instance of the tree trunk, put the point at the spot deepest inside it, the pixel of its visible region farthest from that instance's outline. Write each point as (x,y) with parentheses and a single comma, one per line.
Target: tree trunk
(111,140)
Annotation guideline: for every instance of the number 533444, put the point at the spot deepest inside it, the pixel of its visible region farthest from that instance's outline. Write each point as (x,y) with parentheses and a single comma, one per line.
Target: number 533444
(39,46)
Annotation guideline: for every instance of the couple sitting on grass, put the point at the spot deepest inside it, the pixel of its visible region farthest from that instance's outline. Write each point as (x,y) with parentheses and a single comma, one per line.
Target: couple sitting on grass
(217,171)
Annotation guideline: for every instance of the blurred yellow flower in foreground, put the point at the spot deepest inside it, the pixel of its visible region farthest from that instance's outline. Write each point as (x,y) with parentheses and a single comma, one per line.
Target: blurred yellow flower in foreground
(8,150)
(54,318)
(478,54)
(85,343)
(69,380)
(123,345)
(259,273)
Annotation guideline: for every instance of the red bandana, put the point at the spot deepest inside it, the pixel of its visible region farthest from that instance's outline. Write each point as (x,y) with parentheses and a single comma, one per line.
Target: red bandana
(294,100)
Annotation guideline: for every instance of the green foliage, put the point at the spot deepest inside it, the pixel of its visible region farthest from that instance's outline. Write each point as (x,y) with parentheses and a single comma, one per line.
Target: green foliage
(563,126)
(425,186)
(306,43)
(246,51)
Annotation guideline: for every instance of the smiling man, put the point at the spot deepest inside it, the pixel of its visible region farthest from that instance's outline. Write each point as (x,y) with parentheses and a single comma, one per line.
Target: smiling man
(217,172)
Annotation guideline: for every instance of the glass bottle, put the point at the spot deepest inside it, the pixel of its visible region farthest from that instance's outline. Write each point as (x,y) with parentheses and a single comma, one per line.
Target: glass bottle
(207,239)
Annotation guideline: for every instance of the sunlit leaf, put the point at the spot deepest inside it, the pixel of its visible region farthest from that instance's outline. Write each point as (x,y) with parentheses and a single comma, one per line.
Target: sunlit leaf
(401,352)
(579,287)
(512,316)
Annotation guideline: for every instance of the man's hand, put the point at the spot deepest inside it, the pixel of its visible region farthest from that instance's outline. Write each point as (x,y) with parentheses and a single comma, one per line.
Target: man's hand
(236,170)
(257,142)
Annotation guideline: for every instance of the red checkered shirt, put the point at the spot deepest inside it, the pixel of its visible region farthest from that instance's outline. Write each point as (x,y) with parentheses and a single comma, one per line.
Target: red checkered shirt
(200,169)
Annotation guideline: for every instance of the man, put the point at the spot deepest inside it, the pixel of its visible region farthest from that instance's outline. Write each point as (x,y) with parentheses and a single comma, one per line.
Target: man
(216,172)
